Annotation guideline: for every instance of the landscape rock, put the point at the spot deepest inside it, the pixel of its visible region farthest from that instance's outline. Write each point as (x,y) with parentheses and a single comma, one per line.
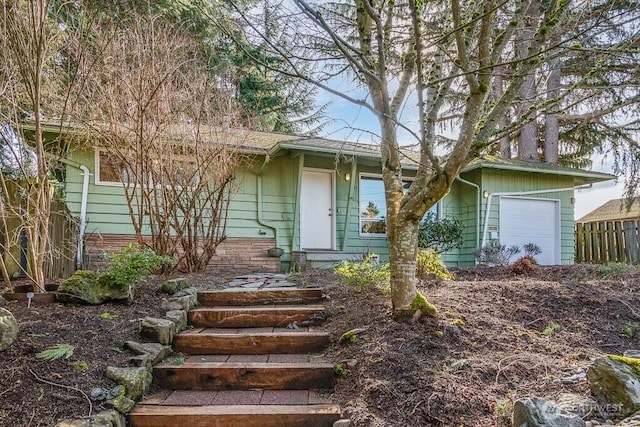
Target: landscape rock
(8,328)
(159,330)
(186,302)
(536,412)
(613,382)
(109,418)
(141,360)
(156,351)
(98,393)
(2,301)
(632,421)
(179,317)
(575,378)
(576,404)
(632,353)
(122,404)
(174,285)
(136,381)
(87,287)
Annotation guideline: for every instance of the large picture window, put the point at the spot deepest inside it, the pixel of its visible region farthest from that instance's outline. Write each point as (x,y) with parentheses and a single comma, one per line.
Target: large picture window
(373,209)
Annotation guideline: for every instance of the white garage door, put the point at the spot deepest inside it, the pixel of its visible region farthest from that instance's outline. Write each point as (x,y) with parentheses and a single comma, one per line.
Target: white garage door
(536,221)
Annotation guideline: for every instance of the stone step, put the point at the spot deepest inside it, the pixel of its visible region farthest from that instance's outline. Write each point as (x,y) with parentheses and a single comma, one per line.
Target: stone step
(244,376)
(322,415)
(269,296)
(257,316)
(250,341)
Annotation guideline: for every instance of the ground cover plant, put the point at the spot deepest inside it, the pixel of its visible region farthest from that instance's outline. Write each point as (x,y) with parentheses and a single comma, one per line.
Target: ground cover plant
(498,337)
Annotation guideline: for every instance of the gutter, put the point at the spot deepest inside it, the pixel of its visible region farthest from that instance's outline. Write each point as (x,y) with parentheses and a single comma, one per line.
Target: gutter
(515,193)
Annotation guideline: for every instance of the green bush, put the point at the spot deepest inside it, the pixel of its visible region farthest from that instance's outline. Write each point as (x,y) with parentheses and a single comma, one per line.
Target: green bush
(429,262)
(493,254)
(133,264)
(441,235)
(364,275)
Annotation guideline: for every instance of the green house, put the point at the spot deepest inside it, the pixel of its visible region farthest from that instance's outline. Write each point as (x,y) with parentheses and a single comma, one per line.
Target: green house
(322,201)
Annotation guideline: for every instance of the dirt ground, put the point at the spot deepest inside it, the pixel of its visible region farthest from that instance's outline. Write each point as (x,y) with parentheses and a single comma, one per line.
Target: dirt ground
(498,338)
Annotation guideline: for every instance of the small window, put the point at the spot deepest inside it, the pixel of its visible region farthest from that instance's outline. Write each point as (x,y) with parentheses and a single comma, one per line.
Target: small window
(373,208)
(111,170)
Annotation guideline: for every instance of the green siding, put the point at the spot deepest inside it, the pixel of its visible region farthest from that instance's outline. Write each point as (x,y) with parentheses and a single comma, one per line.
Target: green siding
(107,211)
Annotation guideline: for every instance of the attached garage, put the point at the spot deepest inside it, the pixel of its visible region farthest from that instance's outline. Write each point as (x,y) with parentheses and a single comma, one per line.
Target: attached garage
(532,220)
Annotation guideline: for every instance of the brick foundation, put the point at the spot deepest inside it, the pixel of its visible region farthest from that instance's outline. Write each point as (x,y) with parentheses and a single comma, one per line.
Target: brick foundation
(233,254)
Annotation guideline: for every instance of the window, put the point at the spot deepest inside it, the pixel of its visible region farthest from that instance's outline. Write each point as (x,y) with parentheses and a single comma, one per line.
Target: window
(373,209)
(110,170)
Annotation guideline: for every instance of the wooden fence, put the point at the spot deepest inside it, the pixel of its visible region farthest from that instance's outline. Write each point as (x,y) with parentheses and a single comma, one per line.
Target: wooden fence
(608,241)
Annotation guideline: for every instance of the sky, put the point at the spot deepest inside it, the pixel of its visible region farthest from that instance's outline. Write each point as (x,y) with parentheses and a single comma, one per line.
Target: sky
(357,124)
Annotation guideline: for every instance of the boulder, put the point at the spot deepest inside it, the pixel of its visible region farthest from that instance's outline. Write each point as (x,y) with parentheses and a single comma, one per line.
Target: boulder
(614,382)
(8,328)
(156,351)
(87,287)
(136,381)
(186,302)
(110,418)
(159,330)
(174,285)
(576,404)
(122,404)
(536,412)
(179,317)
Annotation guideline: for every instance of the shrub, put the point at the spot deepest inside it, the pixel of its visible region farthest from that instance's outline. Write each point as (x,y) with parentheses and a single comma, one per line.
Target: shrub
(429,262)
(363,275)
(440,235)
(524,265)
(495,254)
(613,270)
(133,264)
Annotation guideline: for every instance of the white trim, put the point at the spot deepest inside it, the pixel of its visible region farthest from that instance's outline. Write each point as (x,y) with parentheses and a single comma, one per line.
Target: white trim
(96,177)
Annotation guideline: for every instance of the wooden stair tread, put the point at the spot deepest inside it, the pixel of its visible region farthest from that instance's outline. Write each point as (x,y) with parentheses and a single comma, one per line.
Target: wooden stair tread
(247,297)
(251,343)
(245,365)
(257,316)
(235,415)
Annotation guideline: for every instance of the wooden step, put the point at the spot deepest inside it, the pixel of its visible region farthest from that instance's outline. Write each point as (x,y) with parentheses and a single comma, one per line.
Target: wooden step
(244,376)
(250,341)
(235,416)
(243,297)
(257,316)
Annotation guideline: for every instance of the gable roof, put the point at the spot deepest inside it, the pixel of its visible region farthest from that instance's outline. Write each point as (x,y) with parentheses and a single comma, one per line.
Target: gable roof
(614,210)
(272,143)
(495,162)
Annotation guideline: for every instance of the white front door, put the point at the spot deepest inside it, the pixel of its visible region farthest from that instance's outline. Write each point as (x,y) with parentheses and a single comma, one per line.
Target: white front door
(316,210)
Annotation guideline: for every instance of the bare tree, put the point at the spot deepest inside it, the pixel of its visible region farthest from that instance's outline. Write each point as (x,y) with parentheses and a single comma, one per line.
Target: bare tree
(164,128)
(31,41)
(442,56)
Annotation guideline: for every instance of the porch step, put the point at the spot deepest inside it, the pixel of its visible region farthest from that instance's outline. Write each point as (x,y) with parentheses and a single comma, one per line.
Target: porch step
(235,416)
(257,316)
(250,341)
(244,297)
(244,376)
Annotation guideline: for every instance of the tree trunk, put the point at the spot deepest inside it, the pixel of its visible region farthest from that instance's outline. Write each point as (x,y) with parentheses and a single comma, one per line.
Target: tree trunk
(403,246)
(528,137)
(551,127)
(504,148)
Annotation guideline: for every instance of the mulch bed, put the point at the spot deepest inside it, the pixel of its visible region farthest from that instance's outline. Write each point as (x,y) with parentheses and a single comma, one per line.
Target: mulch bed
(498,337)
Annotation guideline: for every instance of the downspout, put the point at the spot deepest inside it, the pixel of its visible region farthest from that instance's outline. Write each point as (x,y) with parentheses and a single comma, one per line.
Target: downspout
(514,193)
(83,214)
(352,184)
(83,207)
(478,204)
(259,197)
